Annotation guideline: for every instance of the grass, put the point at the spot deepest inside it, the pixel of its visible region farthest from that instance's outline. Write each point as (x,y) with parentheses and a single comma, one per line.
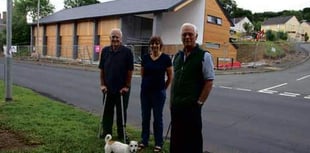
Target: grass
(51,126)
(274,50)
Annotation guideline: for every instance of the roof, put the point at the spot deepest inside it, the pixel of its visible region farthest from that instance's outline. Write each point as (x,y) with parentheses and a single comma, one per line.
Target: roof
(112,8)
(277,20)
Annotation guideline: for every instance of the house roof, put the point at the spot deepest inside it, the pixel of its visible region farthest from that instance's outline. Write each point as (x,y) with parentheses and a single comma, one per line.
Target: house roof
(277,20)
(112,8)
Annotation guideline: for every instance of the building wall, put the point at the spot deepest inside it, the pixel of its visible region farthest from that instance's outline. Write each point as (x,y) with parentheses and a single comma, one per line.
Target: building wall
(104,28)
(305,28)
(217,34)
(66,35)
(51,40)
(172,22)
(38,40)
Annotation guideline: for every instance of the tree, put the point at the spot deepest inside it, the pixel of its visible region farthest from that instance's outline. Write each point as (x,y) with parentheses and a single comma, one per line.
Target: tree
(248,28)
(306,14)
(30,7)
(2,39)
(77,3)
(270,36)
(229,6)
(239,12)
(20,28)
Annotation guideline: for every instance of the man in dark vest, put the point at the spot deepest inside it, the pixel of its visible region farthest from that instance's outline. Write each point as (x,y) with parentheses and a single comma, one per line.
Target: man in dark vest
(193,80)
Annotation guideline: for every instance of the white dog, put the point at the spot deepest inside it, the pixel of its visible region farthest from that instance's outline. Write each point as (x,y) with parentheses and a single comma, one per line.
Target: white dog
(118,147)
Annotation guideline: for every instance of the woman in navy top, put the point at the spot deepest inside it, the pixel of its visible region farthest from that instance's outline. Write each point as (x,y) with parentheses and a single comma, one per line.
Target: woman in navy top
(155,66)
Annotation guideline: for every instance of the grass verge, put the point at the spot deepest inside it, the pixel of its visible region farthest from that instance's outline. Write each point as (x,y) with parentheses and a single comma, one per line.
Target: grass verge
(49,126)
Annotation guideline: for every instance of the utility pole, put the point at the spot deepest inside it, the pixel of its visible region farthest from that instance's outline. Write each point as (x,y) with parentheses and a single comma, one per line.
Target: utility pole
(38,29)
(8,55)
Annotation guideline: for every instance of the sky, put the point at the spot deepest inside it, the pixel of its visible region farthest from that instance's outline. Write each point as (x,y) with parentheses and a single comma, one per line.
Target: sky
(255,6)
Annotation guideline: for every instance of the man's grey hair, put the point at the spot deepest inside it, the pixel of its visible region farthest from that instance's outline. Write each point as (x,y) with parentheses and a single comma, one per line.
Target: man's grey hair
(190,25)
(118,30)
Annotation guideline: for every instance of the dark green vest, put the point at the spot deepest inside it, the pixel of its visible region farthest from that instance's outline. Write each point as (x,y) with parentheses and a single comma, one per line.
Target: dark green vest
(188,78)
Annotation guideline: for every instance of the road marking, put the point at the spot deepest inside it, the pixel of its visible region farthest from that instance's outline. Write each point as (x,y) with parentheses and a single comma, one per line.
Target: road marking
(289,94)
(225,87)
(242,89)
(307,97)
(267,90)
(304,77)
(283,84)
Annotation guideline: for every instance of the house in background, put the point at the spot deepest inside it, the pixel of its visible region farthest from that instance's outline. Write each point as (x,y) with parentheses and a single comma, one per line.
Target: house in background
(69,32)
(237,30)
(305,28)
(288,24)
(238,24)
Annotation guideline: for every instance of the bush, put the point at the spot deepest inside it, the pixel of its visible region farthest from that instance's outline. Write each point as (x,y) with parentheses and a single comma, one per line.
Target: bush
(282,35)
(270,36)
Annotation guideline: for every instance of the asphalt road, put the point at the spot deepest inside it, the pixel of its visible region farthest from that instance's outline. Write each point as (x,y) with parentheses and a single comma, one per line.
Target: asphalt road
(251,113)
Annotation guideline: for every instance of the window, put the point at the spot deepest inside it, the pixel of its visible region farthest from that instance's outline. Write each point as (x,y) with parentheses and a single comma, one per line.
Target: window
(214,20)
(213,45)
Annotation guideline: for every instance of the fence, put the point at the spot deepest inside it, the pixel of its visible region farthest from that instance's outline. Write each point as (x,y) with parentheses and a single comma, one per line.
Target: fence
(249,53)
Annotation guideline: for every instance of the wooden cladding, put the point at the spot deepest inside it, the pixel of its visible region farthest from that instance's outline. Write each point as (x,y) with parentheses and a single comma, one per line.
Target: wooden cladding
(104,29)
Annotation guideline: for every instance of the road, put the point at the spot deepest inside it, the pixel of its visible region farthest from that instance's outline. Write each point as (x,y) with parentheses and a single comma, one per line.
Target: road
(251,113)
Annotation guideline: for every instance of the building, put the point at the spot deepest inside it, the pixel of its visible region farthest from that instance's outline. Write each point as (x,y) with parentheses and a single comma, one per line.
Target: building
(305,28)
(288,24)
(71,32)
(238,24)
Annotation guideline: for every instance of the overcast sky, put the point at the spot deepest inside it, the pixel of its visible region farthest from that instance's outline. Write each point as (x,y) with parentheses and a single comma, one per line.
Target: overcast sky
(253,5)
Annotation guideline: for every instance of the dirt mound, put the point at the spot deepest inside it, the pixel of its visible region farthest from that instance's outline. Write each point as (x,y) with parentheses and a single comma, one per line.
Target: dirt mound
(11,141)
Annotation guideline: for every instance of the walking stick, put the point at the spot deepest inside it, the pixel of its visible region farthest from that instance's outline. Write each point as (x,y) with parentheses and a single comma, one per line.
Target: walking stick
(123,117)
(104,98)
(166,137)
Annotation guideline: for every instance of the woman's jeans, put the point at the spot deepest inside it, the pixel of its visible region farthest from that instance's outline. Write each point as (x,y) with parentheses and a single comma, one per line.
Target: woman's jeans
(152,100)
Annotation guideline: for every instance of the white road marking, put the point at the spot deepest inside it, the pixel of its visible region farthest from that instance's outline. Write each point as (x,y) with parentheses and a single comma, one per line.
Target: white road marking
(304,77)
(289,94)
(225,87)
(242,89)
(283,84)
(267,91)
